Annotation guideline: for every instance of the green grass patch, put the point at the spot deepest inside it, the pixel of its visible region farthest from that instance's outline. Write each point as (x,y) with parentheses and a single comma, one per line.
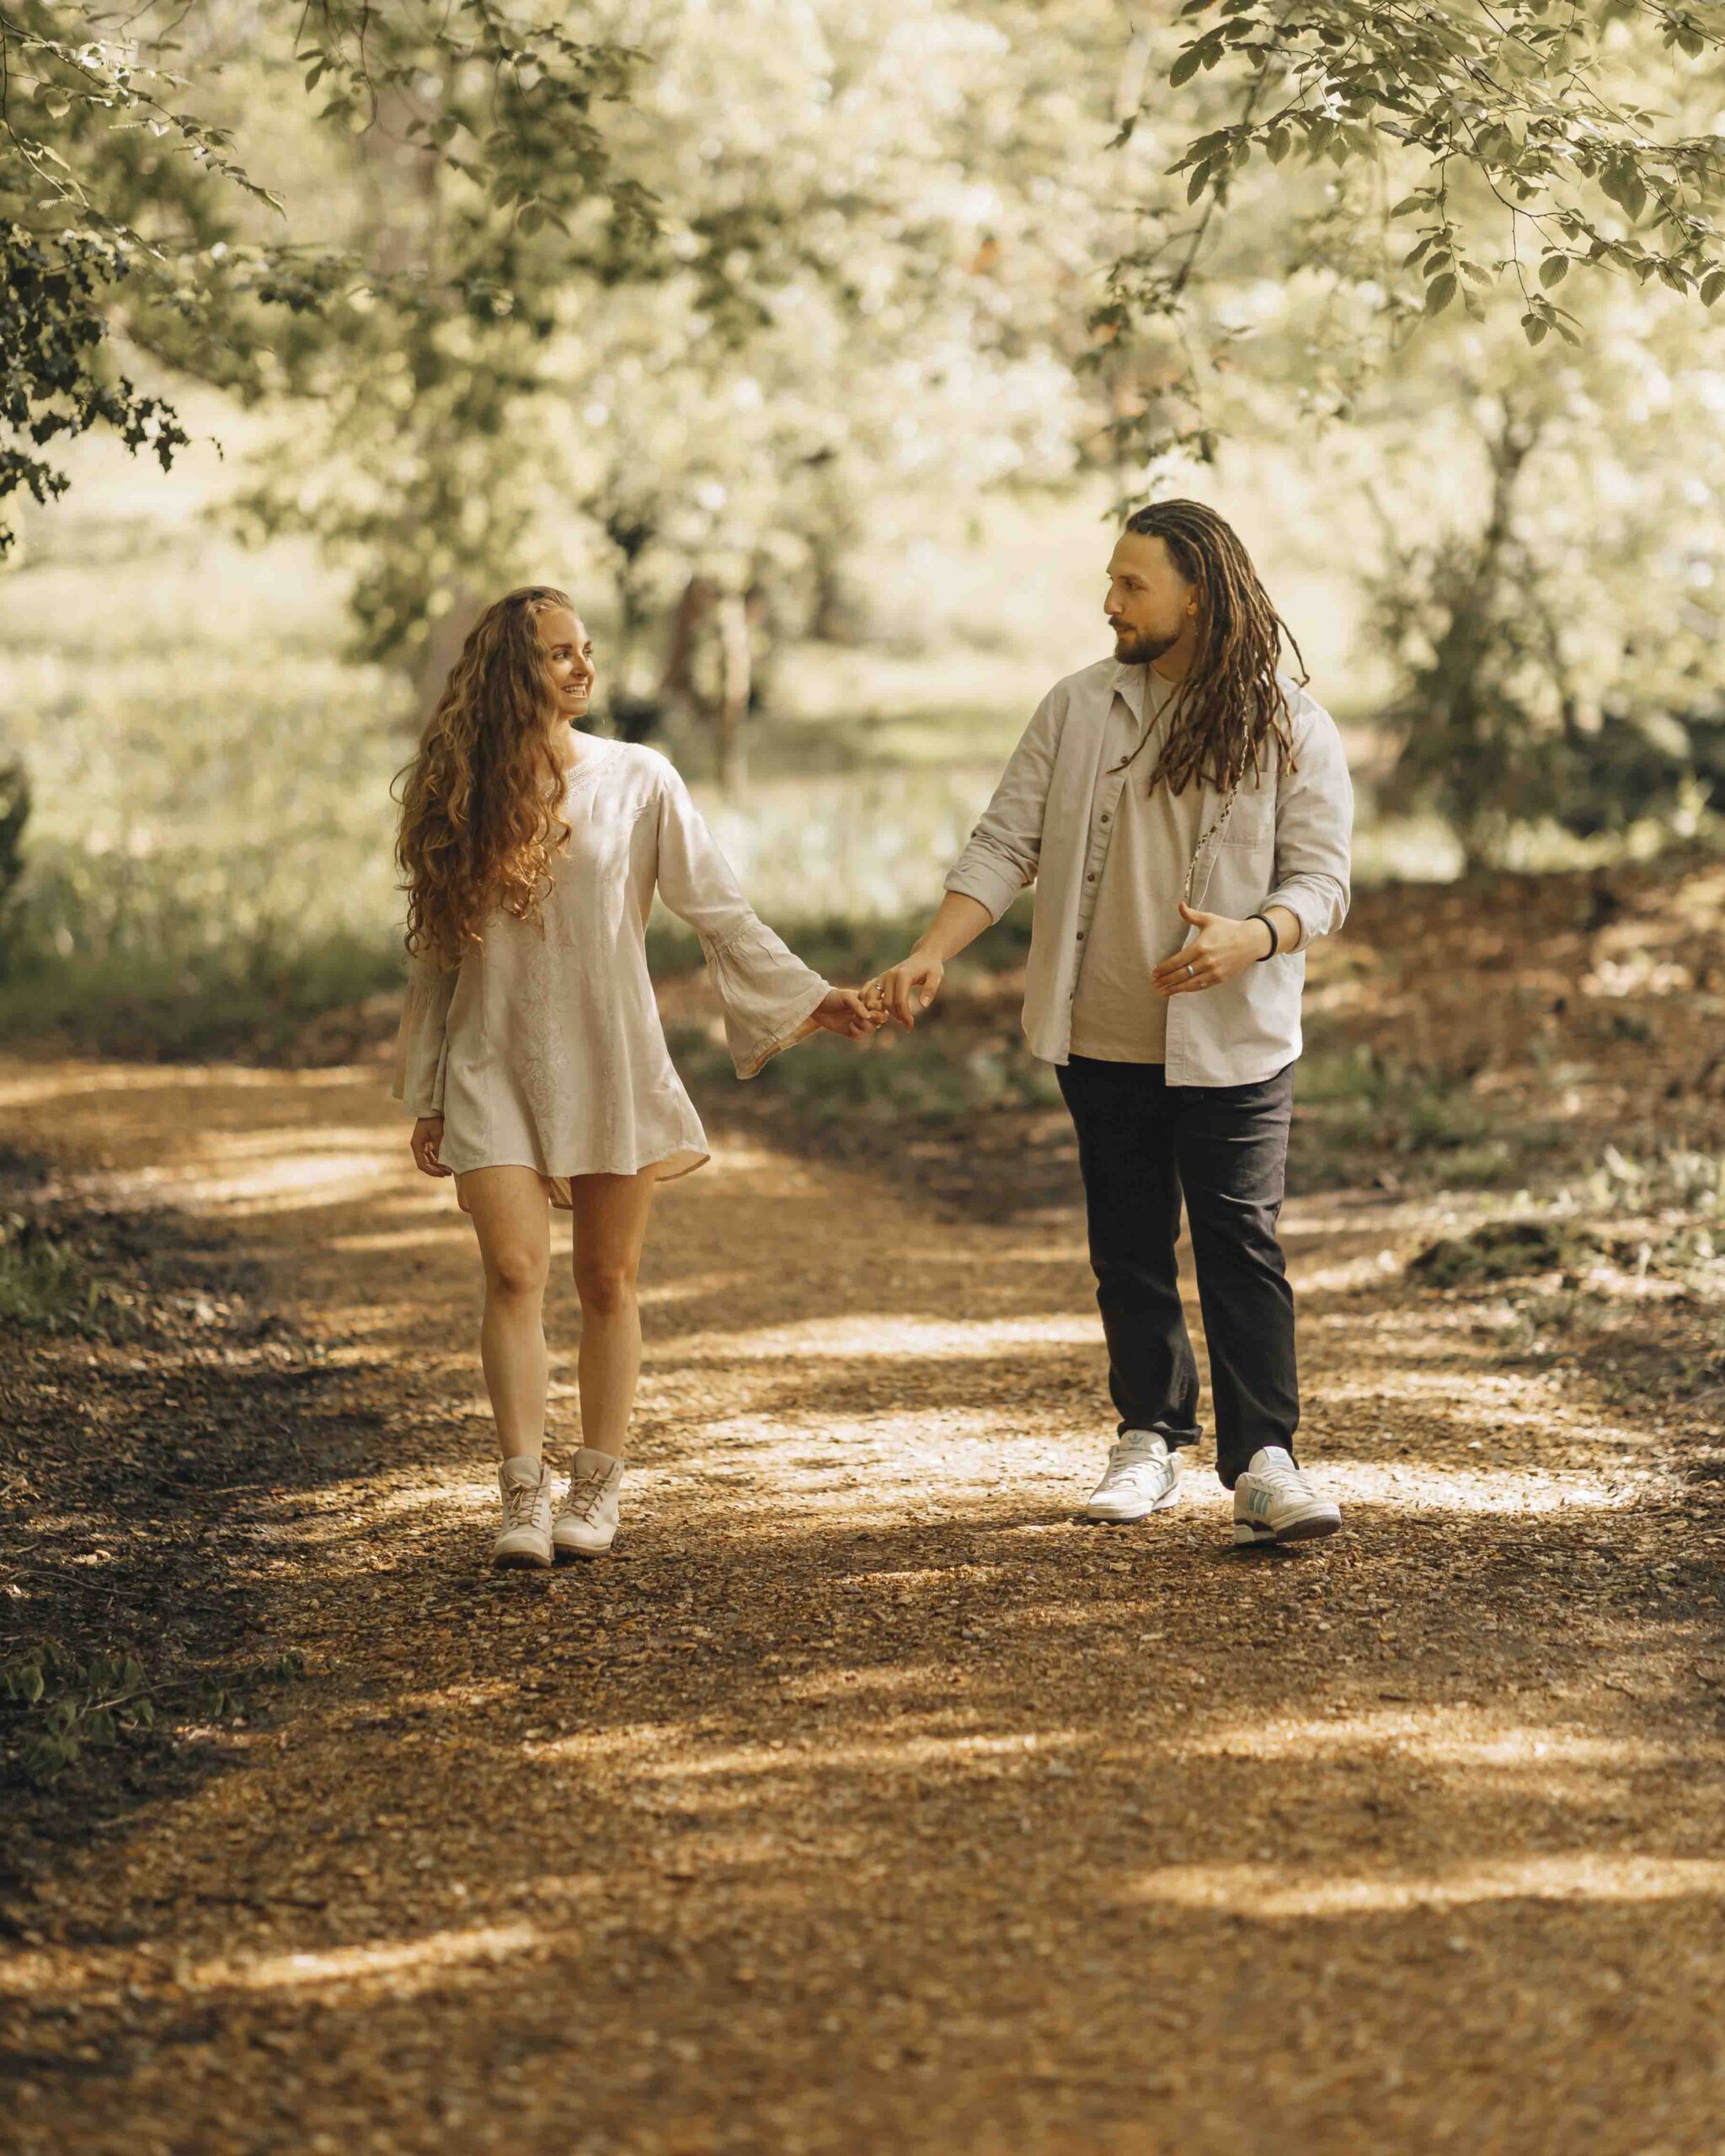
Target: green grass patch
(59,1701)
(1358,1113)
(44,1285)
(249,997)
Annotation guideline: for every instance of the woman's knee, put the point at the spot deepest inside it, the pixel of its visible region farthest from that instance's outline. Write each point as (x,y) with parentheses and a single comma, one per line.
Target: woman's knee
(515,1275)
(606,1290)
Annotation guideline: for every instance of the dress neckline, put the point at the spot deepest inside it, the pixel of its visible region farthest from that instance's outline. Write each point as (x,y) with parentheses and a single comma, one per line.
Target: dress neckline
(587,762)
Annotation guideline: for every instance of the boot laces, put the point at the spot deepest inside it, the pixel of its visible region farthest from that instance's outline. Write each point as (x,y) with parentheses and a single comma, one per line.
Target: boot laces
(520,1501)
(586,1490)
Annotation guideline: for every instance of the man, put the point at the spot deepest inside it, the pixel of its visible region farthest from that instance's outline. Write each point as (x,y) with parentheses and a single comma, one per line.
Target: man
(1184,811)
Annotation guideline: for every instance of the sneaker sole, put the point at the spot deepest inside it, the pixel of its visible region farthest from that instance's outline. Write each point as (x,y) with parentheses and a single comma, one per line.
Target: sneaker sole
(520,1561)
(563,1555)
(1131,1519)
(1312,1528)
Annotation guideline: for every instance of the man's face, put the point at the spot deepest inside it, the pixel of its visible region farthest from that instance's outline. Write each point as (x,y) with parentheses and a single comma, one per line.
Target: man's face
(1149,602)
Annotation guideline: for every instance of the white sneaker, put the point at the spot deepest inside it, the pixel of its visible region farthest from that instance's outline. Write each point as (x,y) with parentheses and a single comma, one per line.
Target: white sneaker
(1274,1502)
(1142,1477)
(586,1519)
(525,1488)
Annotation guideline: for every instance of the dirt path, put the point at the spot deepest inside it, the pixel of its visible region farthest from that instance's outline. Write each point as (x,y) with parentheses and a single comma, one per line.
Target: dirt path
(864,1803)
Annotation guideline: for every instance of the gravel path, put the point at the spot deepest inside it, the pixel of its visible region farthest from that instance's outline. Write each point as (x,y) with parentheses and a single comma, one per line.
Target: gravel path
(863,1801)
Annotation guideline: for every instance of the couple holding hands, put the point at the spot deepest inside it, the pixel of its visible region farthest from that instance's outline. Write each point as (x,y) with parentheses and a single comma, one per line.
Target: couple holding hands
(1184,812)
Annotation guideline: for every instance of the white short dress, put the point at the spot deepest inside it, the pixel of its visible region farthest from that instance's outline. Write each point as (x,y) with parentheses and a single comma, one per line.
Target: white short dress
(544,1048)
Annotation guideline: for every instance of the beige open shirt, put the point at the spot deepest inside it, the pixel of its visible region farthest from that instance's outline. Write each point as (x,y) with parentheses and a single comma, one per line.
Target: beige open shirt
(1285,843)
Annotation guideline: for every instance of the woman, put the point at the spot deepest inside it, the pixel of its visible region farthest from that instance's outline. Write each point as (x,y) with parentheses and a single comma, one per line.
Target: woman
(531,1055)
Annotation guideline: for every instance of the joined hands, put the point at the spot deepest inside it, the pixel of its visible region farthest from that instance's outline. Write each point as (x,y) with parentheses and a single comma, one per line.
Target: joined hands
(847,1012)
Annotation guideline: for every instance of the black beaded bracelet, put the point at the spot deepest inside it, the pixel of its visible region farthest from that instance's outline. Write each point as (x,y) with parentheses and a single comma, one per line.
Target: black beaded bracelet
(1275,940)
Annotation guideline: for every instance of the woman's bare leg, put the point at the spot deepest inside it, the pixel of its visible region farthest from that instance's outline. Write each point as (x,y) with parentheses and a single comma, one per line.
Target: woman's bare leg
(512,1216)
(611,1231)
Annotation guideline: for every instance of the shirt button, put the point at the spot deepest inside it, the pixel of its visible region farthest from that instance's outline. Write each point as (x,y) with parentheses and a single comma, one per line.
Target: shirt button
(1091,878)
(1104,819)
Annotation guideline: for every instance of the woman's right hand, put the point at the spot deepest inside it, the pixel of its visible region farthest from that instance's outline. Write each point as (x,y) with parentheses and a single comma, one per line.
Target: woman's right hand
(428,1136)
(846,1011)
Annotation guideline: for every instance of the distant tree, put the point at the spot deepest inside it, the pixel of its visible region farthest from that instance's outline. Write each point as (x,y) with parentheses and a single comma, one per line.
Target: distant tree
(1558,626)
(126,214)
(1401,157)
(836,305)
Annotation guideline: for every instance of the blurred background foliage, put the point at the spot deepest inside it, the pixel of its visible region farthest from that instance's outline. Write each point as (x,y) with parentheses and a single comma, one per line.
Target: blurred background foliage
(812,346)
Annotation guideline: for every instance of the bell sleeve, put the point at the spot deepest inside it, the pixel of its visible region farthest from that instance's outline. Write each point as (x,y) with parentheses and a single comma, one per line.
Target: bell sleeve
(769,996)
(422,1044)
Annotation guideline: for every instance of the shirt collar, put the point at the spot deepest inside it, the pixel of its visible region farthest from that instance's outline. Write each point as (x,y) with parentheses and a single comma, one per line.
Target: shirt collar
(1132,683)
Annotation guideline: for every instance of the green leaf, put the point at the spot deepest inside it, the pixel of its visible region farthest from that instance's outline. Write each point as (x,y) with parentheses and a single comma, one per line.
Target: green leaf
(1554,269)
(1711,285)
(1276,145)
(1439,293)
(1409,204)
(1535,327)
(1186,66)
(1195,185)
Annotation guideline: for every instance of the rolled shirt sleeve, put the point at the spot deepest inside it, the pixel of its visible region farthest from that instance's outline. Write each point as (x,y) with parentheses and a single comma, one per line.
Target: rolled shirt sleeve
(769,996)
(422,1042)
(1005,847)
(1314,828)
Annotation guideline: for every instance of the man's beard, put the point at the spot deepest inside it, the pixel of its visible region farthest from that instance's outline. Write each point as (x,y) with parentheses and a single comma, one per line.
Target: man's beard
(1139,648)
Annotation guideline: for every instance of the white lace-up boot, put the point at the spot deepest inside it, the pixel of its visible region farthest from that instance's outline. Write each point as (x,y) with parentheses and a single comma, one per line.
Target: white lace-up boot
(1142,1477)
(1274,1502)
(586,1519)
(525,1536)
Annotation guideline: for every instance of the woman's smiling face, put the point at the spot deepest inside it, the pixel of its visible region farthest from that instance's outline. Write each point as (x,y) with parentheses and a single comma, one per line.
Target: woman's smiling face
(569,657)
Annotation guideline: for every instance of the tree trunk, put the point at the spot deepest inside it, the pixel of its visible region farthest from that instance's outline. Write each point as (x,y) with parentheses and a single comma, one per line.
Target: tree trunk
(443,646)
(736,664)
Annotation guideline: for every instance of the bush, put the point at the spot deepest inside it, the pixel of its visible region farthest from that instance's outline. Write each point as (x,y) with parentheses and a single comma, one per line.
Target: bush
(42,1284)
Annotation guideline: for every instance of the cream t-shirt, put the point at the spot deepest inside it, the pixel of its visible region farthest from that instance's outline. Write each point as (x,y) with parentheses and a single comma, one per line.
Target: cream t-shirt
(1118,1015)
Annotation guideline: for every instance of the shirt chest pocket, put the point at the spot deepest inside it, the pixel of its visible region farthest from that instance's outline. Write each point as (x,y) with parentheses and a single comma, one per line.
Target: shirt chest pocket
(1252,823)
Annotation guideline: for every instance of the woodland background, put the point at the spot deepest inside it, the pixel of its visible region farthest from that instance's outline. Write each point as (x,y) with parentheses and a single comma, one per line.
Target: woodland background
(816,347)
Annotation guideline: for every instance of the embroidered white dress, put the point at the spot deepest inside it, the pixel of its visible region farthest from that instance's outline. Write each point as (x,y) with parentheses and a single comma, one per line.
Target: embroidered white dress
(544,1048)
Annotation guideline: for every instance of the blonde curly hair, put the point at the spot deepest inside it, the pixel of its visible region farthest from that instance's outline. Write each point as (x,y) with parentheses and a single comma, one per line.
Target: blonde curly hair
(480,800)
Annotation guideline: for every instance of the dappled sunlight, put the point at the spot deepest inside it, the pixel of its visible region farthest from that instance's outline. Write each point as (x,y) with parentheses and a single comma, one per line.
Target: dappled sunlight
(889,1333)
(1428,1488)
(892,1754)
(860,1736)
(427,1238)
(1265,1892)
(864,1470)
(1346,1278)
(1452,1736)
(661,1294)
(847,1684)
(237,1180)
(403,1967)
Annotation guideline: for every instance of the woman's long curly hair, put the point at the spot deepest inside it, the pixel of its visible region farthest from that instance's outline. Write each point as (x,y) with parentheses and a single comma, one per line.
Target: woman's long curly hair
(480,800)
(1231,702)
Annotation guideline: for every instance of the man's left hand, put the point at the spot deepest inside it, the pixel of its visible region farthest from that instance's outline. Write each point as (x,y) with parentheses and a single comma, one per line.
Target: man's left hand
(1221,949)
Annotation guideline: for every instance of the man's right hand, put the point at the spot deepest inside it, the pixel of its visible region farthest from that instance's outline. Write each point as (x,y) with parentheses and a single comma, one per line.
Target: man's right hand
(911,986)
